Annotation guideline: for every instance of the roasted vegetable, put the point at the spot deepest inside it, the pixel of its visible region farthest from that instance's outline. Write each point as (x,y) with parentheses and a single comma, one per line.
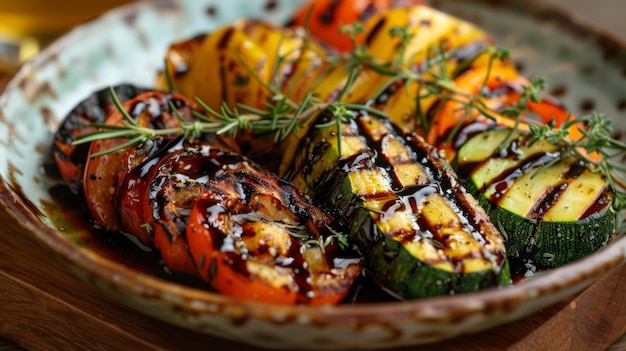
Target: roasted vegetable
(101,176)
(324,18)
(420,233)
(150,189)
(70,159)
(156,195)
(247,57)
(420,50)
(257,238)
(551,212)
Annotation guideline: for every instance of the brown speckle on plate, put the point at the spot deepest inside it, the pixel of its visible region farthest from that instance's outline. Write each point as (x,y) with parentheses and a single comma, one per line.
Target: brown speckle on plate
(608,47)
(47,115)
(587,105)
(167,6)
(558,91)
(271,5)
(130,18)
(34,90)
(588,69)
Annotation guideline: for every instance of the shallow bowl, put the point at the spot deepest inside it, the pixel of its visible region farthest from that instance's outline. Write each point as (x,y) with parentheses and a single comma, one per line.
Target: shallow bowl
(584,67)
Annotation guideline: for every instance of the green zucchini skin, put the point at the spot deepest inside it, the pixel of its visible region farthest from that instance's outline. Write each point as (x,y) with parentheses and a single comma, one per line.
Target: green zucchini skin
(563,237)
(404,276)
(420,232)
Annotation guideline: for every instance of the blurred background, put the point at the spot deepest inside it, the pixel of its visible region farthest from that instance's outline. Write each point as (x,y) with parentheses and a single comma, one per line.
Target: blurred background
(605,14)
(28,25)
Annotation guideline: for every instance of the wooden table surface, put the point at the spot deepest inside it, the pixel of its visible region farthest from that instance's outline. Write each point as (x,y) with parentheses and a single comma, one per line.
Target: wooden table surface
(44,307)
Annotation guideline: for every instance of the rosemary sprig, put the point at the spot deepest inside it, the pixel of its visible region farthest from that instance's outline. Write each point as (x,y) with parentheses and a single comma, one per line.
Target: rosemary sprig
(281,118)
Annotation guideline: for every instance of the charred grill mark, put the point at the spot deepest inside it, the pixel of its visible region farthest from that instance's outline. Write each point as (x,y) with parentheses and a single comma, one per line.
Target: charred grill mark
(225,39)
(576,169)
(547,200)
(368,12)
(328,15)
(375,31)
(414,196)
(374,141)
(507,178)
(185,49)
(604,200)
(469,131)
(221,46)
(390,91)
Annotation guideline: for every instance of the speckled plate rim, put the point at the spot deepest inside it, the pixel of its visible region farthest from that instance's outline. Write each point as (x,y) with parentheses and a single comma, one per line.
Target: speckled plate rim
(572,277)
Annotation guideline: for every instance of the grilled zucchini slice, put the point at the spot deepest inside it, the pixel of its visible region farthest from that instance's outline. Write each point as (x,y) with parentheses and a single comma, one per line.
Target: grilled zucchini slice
(551,212)
(420,233)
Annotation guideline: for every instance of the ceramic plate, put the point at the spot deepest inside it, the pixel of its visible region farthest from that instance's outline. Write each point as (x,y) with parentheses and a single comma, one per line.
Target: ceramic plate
(585,68)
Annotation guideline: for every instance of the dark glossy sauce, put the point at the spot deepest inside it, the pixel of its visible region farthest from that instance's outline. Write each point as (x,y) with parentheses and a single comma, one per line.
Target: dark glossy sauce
(117,247)
(125,249)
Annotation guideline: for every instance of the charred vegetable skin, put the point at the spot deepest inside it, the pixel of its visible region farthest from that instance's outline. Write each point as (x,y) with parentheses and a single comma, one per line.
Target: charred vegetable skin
(257,238)
(71,159)
(156,196)
(420,233)
(553,213)
(153,109)
(324,18)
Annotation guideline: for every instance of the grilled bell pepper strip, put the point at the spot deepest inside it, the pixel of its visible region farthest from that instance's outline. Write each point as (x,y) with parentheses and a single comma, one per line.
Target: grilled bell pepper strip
(69,158)
(428,33)
(255,237)
(496,87)
(324,18)
(101,176)
(245,60)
